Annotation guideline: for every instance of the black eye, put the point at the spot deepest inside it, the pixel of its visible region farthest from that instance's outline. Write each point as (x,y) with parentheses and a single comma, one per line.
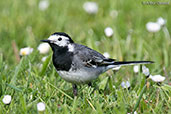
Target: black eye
(59,39)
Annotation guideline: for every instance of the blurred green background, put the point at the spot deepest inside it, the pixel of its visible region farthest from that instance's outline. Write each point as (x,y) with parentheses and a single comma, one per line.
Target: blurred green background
(23,22)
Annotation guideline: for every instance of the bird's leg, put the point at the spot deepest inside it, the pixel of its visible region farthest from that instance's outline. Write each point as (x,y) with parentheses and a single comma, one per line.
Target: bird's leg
(90,84)
(74,86)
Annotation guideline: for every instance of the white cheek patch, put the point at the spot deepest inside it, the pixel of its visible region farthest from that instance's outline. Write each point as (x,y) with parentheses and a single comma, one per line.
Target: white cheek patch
(70,48)
(62,43)
(54,39)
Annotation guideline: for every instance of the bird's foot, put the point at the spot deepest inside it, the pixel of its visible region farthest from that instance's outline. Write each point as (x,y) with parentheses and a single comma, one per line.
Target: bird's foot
(74,86)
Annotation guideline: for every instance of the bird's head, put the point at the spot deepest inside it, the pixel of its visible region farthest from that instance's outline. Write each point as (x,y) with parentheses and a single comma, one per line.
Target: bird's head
(60,39)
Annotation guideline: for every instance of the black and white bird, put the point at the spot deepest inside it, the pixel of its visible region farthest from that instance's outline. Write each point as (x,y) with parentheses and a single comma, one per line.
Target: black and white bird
(79,64)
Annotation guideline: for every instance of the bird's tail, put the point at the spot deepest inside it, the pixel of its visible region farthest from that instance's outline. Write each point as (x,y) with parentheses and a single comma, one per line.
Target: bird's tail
(125,63)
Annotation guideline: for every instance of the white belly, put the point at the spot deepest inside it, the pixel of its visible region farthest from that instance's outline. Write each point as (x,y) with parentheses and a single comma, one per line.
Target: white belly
(81,76)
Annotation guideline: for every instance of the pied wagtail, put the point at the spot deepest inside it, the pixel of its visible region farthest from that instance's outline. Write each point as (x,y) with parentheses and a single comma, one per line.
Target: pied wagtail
(79,64)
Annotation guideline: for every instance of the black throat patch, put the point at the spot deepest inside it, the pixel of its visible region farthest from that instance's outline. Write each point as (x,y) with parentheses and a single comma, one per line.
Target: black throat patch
(62,58)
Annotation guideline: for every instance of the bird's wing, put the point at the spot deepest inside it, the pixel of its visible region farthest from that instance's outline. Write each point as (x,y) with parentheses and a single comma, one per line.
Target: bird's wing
(90,58)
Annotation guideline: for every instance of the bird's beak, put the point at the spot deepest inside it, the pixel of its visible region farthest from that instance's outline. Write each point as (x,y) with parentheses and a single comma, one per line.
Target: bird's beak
(47,41)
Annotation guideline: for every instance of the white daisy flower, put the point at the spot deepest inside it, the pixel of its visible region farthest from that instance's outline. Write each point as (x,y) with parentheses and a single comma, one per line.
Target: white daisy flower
(133,113)
(136,68)
(114,13)
(6,99)
(90,7)
(43,48)
(125,85)
(153,27)
(43,5)
(106,54)
(41,106)
(161,21)
(157,78)
(108,31)
(145,71)
(26,51)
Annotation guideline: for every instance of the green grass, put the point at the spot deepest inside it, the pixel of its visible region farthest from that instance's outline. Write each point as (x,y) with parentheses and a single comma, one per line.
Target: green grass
(23,23)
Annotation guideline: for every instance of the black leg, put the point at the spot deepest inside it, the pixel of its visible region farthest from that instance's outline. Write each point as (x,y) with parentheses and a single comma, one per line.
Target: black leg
(90,84)
(74,86)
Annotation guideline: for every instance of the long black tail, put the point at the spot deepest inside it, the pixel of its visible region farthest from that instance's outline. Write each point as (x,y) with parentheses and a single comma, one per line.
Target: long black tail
(124,63)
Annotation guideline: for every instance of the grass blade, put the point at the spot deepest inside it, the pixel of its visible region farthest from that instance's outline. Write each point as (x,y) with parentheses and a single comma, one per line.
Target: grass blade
(13,87)
(17,71)
(61,91)
(45,65)
(139,98)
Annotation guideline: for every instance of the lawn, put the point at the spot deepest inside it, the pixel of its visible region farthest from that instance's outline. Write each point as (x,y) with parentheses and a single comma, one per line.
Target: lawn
(29,80)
